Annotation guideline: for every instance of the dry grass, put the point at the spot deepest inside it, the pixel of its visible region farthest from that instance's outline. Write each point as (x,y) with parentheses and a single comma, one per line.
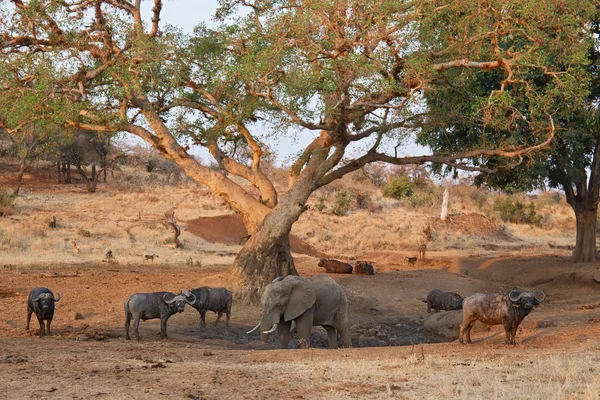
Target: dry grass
(127,222)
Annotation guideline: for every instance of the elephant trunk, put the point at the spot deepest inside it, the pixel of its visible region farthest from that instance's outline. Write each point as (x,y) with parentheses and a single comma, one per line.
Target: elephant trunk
(268,324)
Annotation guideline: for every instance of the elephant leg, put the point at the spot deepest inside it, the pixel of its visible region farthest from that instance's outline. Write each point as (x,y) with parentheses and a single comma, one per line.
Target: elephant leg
(283,332)
(331,336)
(303,324)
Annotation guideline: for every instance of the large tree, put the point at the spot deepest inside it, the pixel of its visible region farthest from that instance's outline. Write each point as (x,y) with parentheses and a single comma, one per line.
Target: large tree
(351,71)
(571,163)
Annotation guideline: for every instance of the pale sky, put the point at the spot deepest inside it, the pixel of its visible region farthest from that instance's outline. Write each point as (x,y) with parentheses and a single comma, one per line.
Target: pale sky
(188,13)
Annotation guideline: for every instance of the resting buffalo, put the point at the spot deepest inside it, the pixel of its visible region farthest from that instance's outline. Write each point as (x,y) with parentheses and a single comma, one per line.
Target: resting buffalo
(212,299)
(446,301)
(363,268)
(508,309)
(335,266)
(154,305)
(41,302)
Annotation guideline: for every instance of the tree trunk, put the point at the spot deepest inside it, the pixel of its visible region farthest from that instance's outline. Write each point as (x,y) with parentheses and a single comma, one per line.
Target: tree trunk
(69,181)
(22,169)
(60,178)
(266,255)
(585,244)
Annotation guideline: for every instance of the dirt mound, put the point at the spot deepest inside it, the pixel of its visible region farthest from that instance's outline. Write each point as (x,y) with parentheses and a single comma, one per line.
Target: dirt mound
(468,224)
(230,229)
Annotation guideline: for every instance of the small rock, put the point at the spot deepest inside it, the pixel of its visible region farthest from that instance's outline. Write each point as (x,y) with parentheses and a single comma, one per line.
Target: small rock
(367,341)
(78,316)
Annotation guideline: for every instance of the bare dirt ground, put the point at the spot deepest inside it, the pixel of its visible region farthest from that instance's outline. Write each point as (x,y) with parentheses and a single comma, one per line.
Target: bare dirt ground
(86,358)
(393,356)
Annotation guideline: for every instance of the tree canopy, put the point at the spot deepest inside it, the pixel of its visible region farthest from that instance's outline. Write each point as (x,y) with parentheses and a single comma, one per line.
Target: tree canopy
(355,72)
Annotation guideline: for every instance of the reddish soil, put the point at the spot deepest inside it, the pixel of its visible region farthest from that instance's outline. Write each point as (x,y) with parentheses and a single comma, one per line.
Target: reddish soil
(89,357)
(230,229)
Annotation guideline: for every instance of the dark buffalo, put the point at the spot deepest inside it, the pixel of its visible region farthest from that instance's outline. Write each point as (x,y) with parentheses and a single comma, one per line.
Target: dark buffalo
(508,309)
(335,266)
(218,300)
(445,301)
(41,302)
(363,268)
(144,306)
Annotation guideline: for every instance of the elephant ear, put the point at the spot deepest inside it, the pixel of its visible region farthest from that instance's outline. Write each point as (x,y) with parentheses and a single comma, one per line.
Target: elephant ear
(302,297)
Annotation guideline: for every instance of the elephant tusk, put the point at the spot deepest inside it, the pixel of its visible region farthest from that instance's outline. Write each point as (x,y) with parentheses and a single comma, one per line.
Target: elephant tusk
(272,329)
(253,329)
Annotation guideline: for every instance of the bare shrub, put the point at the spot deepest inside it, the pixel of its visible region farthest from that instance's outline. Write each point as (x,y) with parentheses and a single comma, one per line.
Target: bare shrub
(341,203)
(84,232)
(7,201)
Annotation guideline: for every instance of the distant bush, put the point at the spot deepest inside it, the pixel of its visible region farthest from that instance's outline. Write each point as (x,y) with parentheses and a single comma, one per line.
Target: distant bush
(516,211)
(320,205)
(363,199)
(341,203)
(398,188)
(7,201)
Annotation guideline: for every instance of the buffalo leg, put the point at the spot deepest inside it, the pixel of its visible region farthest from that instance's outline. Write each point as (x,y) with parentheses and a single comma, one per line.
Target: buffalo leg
(508,327)
(464,335)
(219,315)
(136,325)
(228,314)
(203,318)
(48,327)
(29,312)
(127,323)
(42,330)
(469,332)
(331,336)
(283,332)
(163,328)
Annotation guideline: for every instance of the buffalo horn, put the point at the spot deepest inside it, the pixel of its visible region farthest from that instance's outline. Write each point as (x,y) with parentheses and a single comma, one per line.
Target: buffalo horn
(43,296)
(272,329)
(55,298)
(190,294)
(173,300)
(543,296)
(511,294)
(253,329)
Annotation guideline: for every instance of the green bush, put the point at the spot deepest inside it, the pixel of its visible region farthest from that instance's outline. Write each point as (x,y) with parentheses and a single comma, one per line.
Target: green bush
(516,211)
(398,188)
(341,203)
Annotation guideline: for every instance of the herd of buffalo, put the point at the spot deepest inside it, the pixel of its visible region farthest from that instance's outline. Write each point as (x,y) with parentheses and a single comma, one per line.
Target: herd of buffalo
(293,300)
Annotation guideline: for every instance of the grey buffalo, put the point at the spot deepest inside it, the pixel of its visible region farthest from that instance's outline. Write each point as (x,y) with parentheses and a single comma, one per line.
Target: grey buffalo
(508,309)
(41,302)
(445,301)
(144,306)
(212,299)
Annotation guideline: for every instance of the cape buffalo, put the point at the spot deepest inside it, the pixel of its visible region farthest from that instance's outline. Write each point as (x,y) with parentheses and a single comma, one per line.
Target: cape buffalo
(508,309)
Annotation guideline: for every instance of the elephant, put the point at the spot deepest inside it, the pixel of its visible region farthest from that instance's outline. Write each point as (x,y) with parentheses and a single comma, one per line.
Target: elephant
(309,302)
